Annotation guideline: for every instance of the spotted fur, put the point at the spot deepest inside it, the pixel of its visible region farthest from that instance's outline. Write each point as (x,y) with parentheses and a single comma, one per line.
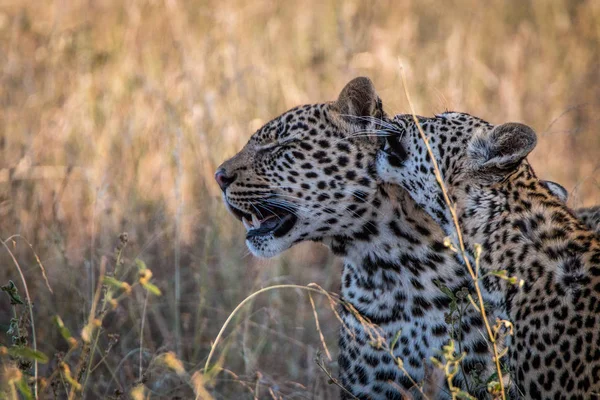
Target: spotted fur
(590,216)
(523,229)
(313,168)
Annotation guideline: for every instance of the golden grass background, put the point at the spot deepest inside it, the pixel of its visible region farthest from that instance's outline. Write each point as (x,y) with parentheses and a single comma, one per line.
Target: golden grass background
(115,114)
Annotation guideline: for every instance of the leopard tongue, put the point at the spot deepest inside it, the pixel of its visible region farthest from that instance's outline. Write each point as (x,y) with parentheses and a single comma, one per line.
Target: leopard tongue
(269,222)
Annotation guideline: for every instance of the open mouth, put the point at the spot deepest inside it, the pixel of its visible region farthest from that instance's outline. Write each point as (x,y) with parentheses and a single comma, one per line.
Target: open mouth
(265,221)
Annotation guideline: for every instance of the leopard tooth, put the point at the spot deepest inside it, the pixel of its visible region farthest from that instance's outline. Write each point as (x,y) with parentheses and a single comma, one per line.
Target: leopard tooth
(255,221)
(247,224)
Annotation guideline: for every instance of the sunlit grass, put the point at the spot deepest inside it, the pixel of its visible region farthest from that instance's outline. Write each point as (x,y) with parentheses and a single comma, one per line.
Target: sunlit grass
(114,116)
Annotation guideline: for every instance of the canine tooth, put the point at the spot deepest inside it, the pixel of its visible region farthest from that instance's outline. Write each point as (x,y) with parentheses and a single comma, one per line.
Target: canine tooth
(255,221)
(247,224)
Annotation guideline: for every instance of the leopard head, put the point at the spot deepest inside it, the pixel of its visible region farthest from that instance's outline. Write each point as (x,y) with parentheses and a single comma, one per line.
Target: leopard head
(469,153)
(308,174)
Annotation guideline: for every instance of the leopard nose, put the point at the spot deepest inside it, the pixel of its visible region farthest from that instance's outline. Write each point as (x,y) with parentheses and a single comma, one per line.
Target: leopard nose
(223,179)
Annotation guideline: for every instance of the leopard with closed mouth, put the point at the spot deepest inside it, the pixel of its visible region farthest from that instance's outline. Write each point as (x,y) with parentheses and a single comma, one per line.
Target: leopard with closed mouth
(524,229)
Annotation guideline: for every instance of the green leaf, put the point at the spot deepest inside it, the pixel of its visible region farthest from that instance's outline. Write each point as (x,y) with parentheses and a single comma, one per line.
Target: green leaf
(24,388)
(152,289)
(500,273)
(109,280)
(12,292)
(464,395)
(445,289)
(64,331)
(395,340)
(437,363)
(28,353)
(140,264)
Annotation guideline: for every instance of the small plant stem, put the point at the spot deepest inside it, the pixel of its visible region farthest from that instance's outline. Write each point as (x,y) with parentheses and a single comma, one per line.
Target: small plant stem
(16,316)
(246,300)
(142,331)
(462,248)
(178,216)
(30,307)
(92,316)
(319,363)
(312,304)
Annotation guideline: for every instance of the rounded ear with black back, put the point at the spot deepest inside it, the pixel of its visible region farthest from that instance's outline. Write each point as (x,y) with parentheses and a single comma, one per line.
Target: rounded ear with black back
(557,190)
(358,102)
(501,150)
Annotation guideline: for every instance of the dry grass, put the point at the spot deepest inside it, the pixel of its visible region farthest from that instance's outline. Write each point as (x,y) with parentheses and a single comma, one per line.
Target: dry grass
(114,116)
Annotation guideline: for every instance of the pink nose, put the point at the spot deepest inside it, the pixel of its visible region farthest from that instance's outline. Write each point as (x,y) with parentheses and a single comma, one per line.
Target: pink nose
(223,180)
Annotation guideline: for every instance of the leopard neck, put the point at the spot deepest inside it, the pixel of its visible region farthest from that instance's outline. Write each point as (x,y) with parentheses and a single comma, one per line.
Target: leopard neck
(403,261)
(398,280)
(524,229)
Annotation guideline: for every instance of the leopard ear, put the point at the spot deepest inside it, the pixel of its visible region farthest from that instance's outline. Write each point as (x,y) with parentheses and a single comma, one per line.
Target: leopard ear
(359,99)
(501,150)
(557,190)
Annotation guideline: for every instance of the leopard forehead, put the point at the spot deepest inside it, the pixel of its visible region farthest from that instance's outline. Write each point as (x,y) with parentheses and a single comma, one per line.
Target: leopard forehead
(300,122)
(310,138)
(450,137)
(448,133)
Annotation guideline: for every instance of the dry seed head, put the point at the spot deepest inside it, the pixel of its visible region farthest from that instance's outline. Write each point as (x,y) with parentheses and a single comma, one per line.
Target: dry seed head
(448,244)
(494,387)
(377,343)
(145,276)
(72,342)
(437,363)
(145,273)
(171,361)
(12,374)
(126,287)
(478,250)
(123,240)
(86,332)
(198,385)
(138,392)
(399,363)
(64,367)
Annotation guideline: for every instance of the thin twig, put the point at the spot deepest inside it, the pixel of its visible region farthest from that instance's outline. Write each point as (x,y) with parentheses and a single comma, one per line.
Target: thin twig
(462,248)
(30,307)
(239,306)
(333,380)
(37,259)
(91,318)
(312,304)
(142,332)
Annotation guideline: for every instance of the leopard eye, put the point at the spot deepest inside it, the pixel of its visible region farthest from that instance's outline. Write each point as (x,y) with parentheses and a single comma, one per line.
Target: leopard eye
(278,139)
(277,143)
(267,146)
